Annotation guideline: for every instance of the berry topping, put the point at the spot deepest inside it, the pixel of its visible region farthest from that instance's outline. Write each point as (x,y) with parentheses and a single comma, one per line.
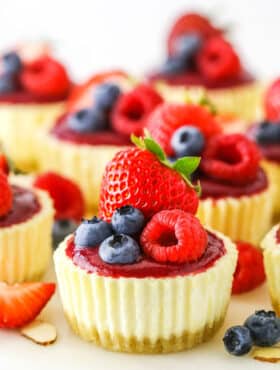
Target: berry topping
(249,271)
(92,232)
(174,236)
(6,198)
(88,120)
(238,340)
(12,63)
(231,158)
(45,77)
(272,101)
(8,83)
(4,164)
(167,118)
(67,197)
(132,109)
(127,220)
(106,95)
(143,178)
(217,60)
(264,327)
(187,141)
(61,229)
(268,133)
(119,249)
(22,303)
(191,23)
(186,46)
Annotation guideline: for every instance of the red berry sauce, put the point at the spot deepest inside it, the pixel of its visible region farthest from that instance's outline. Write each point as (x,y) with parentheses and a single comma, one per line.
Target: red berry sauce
(88,259)
(216,189)
(196,79)
(24,97)
(278,236)
(63,132)
(25,206)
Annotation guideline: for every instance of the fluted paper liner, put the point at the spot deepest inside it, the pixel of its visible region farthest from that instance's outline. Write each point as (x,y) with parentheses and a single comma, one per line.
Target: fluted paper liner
(271,251)
(18,127)
(244,101)
(25,248)
(272,170)
(245,218)
(84,164)
(146,314)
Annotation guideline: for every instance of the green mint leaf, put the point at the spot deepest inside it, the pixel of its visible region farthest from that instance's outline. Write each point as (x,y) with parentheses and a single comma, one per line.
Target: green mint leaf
(155,148)
(186,165)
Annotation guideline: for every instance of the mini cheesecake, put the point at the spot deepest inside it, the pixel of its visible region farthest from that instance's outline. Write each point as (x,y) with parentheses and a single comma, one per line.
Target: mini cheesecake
(146,306)
(32,94)
(271,251)
(25,235)
(199,56)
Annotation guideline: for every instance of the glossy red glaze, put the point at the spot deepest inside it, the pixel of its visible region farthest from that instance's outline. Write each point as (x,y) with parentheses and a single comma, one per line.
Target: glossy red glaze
(25,206)
(196,79)
(88,259)
(24,97)
(63,132)
(217,190)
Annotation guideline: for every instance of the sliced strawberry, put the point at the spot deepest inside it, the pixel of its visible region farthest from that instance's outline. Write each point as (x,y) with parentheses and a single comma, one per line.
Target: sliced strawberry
(6,195)
(82,95)
(22,303)
(4,165)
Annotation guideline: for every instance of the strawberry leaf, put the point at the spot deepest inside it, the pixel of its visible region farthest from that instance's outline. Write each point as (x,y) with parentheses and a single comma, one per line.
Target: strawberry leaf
(138,141)
(186,165)
(154,148)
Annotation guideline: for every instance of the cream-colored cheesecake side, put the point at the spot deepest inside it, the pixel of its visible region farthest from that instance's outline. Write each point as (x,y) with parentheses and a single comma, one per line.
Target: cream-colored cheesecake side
(243,101)
(18,127)
(272,170)
(84,164)
(25,248)
(271,253)
(149,314)
(245,218)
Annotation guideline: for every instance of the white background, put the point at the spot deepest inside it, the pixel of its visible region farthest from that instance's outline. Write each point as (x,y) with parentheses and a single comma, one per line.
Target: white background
(95,34)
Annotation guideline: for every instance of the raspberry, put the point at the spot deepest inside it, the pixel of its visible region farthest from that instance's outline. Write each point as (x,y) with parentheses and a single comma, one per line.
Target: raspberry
(249,271)
(174,236)
(167,118)
(232,158)
(217,60)
(67,197)
(132,109)
(46,78)
(191,23)
(272,101)
(6,198)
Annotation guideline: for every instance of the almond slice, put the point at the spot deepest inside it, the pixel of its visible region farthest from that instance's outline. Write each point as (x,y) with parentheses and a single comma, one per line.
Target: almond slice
(40,332)
(267,354)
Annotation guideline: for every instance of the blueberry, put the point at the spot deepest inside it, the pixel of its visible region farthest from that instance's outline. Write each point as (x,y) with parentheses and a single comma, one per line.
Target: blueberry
(88,120)
(8,83)
(12,63)
(61,229)
(92,232)
(238,341)
(127,220)
(173,66)
(119,249)
(106,95)
(264,327)
(186,46)
(268,133)
(187,141)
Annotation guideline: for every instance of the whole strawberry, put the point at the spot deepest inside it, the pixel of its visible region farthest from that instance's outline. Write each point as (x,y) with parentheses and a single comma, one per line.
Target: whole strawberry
(142,177)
